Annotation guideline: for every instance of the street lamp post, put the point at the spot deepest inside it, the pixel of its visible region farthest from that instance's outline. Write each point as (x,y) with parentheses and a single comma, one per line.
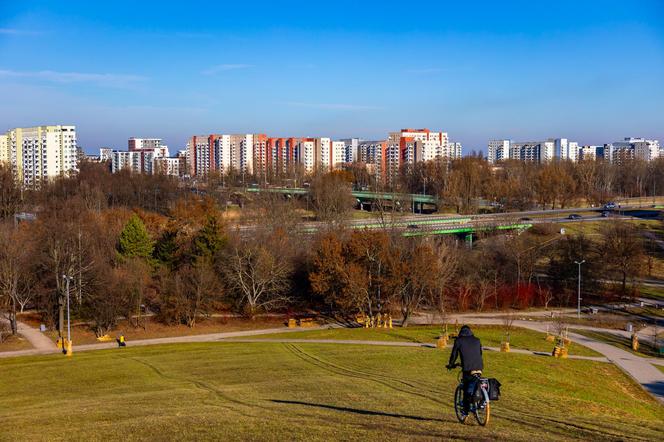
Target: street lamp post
(578,305)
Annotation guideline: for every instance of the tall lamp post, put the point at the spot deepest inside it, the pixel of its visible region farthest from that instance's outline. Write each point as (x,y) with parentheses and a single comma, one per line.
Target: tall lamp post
(578,305)
(67,349)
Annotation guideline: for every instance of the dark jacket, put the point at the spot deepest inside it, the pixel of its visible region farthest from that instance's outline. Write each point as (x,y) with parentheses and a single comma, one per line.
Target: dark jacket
(469,348)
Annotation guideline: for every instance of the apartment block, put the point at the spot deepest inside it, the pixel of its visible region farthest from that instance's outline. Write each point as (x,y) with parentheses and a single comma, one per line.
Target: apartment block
(306,154)
(565,149)
(498,150)
(37,154)
(532,151)
(455,150)
(166,166)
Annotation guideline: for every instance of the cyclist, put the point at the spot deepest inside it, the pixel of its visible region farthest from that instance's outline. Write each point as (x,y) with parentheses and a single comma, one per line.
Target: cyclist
(469,348)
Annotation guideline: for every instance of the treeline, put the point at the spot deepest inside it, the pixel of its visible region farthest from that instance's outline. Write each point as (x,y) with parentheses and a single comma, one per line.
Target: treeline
(186,264)
(518,185)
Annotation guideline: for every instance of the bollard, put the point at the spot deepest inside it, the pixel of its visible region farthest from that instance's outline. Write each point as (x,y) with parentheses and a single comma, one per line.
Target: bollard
(441,343)
(505,347)
(635,342)
(550,338)
(390,322)
(292,323)
(563,353)
(69,348)
(556,352)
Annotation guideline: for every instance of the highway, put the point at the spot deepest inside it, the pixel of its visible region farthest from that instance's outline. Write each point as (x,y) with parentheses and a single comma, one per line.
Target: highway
(418,225)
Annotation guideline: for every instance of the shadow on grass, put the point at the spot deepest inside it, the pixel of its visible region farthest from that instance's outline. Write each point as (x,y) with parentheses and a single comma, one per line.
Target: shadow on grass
(356,410)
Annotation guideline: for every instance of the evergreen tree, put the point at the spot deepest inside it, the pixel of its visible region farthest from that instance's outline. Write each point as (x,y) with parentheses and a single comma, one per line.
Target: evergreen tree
(166,249)
(209,240)
(134,240)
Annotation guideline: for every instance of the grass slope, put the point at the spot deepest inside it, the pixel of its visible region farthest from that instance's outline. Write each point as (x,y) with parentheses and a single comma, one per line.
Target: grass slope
(270,391)
(491,336)
(13,343)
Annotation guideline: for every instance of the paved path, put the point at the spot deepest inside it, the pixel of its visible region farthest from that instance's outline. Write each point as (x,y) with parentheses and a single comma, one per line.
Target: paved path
(41,344)
(638,368)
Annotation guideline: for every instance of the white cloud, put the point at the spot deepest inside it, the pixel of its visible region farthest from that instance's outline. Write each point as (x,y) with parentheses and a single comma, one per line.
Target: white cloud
(225,67)
(332,106)
(106,80)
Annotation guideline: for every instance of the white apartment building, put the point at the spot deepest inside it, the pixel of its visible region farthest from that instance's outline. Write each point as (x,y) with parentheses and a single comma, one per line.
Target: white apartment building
(125,160)
(498,150)
(565,149)
(306,154)
(143,143)
(166,166)
(587,153)
(646,150)
(105,154)
(351,152)
(222,152)
(532,151)
(242,152)
(39,153)
(454,150)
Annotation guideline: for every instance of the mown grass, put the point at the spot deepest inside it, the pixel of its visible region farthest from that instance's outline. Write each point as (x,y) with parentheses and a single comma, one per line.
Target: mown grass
(491,336)
(652,292)
(13,343)
(270,391)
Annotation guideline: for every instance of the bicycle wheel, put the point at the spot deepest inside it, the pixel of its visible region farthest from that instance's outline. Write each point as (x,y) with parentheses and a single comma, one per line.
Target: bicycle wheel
(482,412)
(458,404)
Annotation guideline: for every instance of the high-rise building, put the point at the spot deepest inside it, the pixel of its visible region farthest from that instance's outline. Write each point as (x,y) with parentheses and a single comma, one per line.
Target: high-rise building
(498,150)
(532,151)
(166,166)
(37,154)
(351,152)
(374,155)
(455,150)
(306,154)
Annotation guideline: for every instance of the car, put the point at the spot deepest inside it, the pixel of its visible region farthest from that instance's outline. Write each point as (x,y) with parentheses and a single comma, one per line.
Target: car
(610,206)
(574,216)
(605,214)
(413,226)
(525,218)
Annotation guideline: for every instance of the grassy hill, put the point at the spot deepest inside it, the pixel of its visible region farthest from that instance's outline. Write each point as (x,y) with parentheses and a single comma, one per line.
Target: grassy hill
(271,391)
(490,335)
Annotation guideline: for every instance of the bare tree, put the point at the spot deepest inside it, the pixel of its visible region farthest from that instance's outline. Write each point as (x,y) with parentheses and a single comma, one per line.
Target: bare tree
(331,196)
(15,272)
(258,271)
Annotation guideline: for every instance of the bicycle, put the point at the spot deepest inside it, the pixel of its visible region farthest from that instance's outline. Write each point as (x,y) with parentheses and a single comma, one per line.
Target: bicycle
(480,407)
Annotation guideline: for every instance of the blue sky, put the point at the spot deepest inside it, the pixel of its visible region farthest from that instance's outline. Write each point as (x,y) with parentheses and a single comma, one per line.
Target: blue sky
(592,71)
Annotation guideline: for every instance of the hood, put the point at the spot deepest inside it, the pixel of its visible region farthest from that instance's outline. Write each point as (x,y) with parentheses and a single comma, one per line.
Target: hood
(465,331)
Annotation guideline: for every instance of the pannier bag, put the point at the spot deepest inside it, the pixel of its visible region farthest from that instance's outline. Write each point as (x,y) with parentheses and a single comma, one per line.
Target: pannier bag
(494,389)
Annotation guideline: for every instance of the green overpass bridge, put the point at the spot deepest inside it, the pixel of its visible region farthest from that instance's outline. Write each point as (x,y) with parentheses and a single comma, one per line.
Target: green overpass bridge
(414,199)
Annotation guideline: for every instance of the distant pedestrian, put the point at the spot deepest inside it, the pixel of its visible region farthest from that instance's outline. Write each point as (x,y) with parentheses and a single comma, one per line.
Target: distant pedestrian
(121,341)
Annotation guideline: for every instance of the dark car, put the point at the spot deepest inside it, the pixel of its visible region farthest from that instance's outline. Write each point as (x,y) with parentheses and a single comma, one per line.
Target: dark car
(413,226)
(525,218)
(605,214)
(574,216)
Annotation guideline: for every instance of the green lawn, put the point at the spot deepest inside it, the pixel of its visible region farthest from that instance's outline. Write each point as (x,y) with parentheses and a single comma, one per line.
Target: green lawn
(491,336)
(652,292)
(624,343)
(14,343)
(270,391)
